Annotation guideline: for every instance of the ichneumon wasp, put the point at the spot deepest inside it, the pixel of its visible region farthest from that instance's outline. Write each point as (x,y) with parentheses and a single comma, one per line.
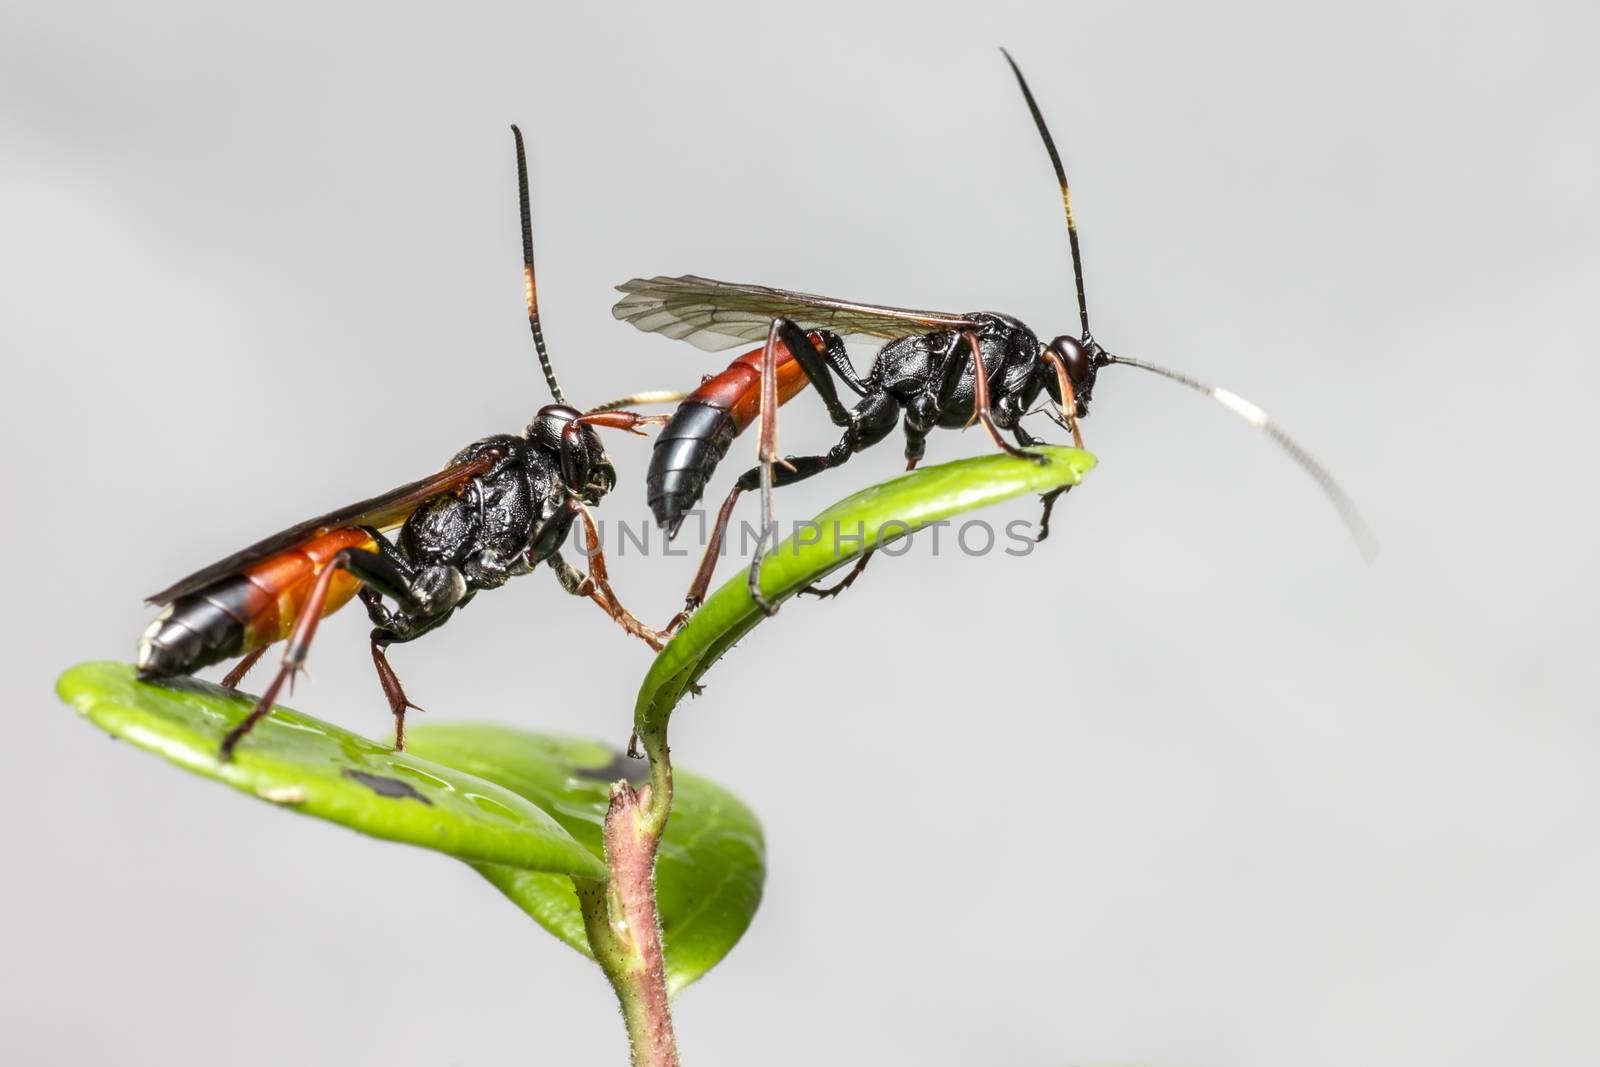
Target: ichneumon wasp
(503,505)
(937,370)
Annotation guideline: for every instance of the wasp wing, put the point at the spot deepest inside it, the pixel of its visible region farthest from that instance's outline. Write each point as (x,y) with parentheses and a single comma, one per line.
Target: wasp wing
(714,315)
(383,512)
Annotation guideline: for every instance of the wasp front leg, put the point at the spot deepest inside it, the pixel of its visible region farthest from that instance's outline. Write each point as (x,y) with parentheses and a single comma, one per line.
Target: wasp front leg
(596,585)
(1046,500)
(981,410)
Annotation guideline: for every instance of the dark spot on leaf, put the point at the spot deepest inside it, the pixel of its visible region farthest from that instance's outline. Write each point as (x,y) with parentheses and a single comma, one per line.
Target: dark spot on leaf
(636,771)
(386,787)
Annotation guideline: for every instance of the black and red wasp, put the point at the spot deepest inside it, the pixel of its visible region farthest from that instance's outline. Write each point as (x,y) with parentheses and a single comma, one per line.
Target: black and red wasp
(503,505)
(937,370)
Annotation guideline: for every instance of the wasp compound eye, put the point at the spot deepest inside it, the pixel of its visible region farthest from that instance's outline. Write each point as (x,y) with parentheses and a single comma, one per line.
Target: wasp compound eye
(1074,357)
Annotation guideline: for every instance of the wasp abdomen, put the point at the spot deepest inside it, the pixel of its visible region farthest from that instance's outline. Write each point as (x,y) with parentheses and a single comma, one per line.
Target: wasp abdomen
(685,456)
(194,631)
(243,612)
(697,438)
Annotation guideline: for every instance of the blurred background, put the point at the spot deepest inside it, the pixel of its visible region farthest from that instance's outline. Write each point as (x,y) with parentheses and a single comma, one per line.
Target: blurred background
(1190,785)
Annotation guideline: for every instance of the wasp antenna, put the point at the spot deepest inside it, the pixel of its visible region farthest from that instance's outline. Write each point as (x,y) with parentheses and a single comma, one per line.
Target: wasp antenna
(1360,532)
(1066,193)
(656,396)
(527,271)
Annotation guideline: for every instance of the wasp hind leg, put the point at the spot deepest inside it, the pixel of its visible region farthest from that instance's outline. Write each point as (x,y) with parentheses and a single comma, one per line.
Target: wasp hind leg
(384,572)
(232,679)
(914,450)
(867,424)
(294,655)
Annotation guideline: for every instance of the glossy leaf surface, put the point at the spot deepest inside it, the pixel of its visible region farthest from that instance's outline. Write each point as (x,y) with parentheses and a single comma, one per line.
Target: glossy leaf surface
(316,768)
(882,514)
(712,861)
(524,809)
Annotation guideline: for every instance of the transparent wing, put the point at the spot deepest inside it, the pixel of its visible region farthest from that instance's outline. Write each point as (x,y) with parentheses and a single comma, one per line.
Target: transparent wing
(714,315)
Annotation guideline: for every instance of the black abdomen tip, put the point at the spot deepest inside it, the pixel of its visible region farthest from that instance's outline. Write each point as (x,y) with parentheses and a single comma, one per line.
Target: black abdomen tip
(194,632)
(686,454)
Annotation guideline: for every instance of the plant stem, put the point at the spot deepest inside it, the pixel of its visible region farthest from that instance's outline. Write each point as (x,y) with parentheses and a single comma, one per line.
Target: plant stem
(659,807)
(625,930)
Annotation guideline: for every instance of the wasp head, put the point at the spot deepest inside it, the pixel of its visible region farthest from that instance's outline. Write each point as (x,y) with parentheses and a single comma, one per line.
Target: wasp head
(601,477)
(585,467)
(1080,360)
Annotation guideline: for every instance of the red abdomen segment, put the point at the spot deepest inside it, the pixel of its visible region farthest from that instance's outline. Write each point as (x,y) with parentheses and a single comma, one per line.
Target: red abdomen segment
(244,611)
(737,390)
(697,438)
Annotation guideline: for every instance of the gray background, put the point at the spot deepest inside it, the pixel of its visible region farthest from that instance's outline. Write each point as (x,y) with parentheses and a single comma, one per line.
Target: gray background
(1193,786)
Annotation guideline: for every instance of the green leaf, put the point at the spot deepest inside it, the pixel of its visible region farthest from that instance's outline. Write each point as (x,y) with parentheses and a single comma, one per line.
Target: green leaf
(315,768)
(709,870)
(884,513)
(526,810)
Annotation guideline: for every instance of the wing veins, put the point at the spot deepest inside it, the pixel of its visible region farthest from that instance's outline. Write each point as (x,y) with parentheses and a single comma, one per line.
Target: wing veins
(714,315)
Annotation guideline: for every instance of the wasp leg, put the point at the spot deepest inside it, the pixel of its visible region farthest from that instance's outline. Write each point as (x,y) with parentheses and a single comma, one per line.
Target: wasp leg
(294,655)
(1024,438)
(838,358)
(767,440)
(380,639)
(980,404)
(1069,397)
(1049,499)
(570,577)
(431,594)
(865,425)
(1027,440)
(616,419)
(794,469)
(945,379)
(816,366)
(825,592)
(232,679)
(708,561)
(393,692)
(577,583)
(424,604)
(597,584)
